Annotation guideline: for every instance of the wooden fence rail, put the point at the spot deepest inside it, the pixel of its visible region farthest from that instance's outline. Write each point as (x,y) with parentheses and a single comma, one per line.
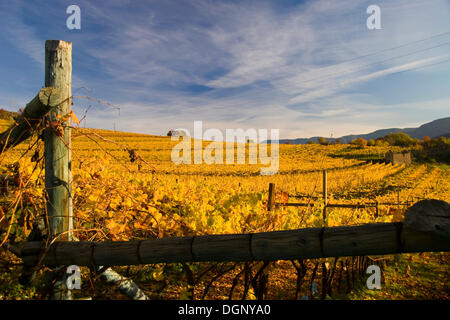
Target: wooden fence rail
(347,205)
(426,228)
(32,115)
(271,203)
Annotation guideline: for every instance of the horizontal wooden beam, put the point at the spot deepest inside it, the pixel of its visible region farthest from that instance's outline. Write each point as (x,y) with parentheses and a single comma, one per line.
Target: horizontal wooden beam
(293,204)
(394,203)
(329,205)
(373,239)
(428,232)
(305,197)
(339,205)
(31,116)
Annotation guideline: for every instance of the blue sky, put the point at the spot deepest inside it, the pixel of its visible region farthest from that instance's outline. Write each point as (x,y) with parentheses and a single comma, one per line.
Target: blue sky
(288,65)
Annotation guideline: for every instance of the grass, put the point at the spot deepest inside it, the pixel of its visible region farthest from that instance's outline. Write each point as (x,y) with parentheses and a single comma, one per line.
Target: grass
(424,276)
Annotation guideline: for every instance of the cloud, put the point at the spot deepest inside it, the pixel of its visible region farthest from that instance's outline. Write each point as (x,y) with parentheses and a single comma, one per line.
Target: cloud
(330,88)
(240,64)
(20,34)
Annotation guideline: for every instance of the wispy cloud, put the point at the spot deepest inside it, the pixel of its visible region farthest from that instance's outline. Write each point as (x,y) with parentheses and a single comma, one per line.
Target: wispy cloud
(247,64)
(330,87)
(17,32)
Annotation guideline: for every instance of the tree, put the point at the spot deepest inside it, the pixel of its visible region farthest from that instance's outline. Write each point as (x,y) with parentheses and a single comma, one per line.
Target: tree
(322,141)
(437,149)
(380,142)
(371,143)
(360,142)
(311,142)
(437,145)
(170,133)
(400,139)
(426,139)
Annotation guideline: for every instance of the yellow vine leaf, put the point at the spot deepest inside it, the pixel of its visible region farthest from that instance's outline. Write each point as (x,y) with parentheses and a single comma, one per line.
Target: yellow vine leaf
(74,117)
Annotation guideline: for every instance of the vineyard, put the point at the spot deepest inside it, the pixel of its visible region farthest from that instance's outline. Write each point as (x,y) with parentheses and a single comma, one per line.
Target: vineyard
(126,188)
(142,227)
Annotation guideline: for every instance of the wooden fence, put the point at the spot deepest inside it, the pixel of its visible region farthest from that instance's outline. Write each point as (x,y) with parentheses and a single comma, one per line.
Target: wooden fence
(426,228)
(272,204)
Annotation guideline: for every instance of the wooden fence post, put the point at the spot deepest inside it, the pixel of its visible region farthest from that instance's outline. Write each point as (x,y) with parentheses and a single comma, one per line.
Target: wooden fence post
(58,174)
(271,196)
(376,210)
(325,196)
(57,146)
(426,228)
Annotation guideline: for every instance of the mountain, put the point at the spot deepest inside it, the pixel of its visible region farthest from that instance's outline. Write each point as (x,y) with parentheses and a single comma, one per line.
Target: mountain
(433,129)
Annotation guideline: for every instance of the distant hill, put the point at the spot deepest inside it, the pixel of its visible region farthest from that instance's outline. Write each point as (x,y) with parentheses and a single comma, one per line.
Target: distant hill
(7,115)
(6,119)
(433,129)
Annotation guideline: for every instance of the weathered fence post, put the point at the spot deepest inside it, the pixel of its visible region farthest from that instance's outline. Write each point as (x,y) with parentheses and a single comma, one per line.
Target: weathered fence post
(271,196)
(58,172)
(376,210)
(30,118)
(325,196)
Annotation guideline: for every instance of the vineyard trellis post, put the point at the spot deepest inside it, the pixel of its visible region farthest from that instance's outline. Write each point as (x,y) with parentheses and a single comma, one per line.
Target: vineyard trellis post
(325,197)
(58,175)
(376,209)
(57,151)
(271,198)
